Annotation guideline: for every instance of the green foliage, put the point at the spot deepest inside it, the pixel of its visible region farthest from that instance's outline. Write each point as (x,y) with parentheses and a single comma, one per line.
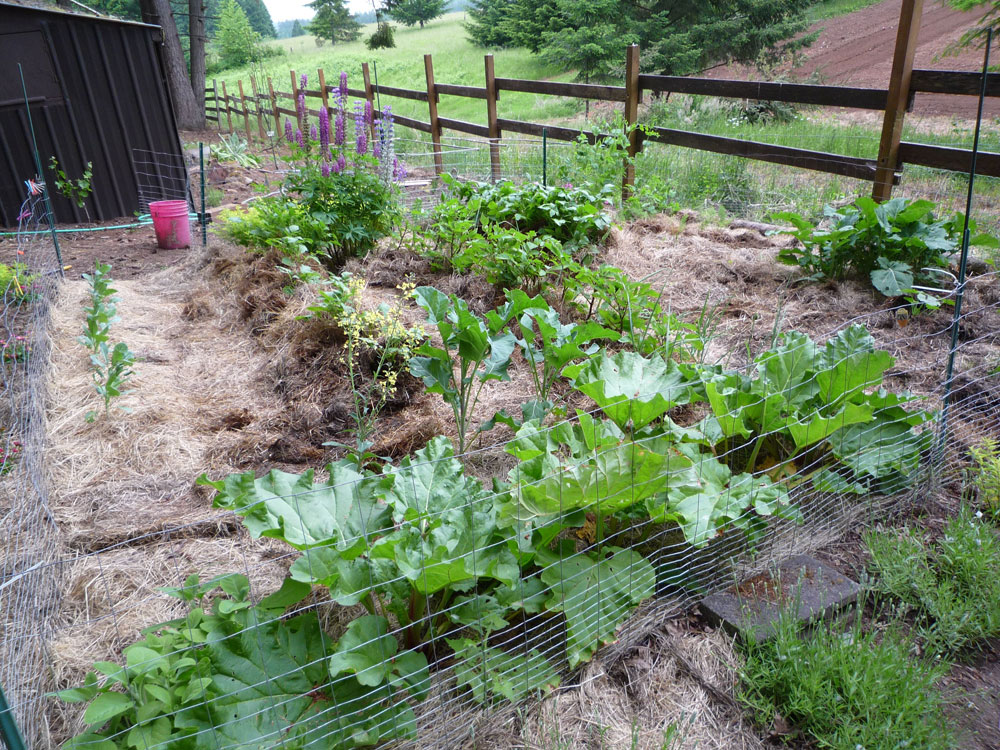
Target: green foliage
(805,400)
(983,476)
(948,585)
(481,351)
(112,365)
(235,38)
(678,36)
(492,675)
(278,223)
(75,190)
(846,691)
(234,147)
(893,244)
(384,37)
(410,12)
(596,592)
(207,676)
(976,35)
(16,282)
(333,22)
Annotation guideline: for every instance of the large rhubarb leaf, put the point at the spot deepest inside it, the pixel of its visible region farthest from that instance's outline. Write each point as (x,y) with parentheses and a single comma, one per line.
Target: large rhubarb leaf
(583,466)
(447,531)
(596,593)
(492,675)
(631,389)
(343,511)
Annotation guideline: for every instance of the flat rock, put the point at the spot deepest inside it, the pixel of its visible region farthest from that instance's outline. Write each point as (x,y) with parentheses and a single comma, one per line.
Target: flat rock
(812,590)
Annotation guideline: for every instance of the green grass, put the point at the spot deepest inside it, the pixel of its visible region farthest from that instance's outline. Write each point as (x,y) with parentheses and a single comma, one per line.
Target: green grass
(456,61)
(851,690)
(949,586)
(832,8)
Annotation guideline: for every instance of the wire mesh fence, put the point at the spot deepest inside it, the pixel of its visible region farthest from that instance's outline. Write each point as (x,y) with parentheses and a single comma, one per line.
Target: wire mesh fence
(29,581)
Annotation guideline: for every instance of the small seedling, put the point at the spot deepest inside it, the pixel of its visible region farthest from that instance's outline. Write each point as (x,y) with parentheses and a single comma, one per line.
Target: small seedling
(76,190)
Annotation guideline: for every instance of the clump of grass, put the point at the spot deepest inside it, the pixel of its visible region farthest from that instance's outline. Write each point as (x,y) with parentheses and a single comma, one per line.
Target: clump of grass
(949,586)
(983,476)
(846,690)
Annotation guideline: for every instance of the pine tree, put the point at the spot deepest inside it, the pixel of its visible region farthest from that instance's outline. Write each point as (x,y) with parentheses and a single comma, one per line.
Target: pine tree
(333,21)
(410,12)
(485,25)
(297,29)
(260,19)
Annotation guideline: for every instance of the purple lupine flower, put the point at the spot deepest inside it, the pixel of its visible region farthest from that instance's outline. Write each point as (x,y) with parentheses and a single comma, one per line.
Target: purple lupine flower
(289,134)
(398,170)
(325,169)
(313,133)
(343,84)
(340,129)
(378,140)
(369,113)
(360,129)
(299,139)
(340,164)
(324,132)
(300,110)
(303,80)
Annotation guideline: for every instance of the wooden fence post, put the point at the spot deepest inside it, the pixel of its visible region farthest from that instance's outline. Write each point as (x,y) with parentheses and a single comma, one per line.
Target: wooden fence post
(215,98)
(299,124)
(899,96)
(491,115)
(274,108)
(246,114)
(369,94)
(256,104)
(432,107)
(632,96)
(229,111)
(322,89)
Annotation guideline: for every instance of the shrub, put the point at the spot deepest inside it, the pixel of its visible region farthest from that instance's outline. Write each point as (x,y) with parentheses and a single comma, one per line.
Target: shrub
(983,477)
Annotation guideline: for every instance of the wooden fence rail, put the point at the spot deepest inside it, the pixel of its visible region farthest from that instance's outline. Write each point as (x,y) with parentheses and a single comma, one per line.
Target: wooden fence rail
(883,171)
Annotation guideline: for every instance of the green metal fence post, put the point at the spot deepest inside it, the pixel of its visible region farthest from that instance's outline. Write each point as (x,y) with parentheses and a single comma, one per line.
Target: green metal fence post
(545,156)
(204,216)
(8,726)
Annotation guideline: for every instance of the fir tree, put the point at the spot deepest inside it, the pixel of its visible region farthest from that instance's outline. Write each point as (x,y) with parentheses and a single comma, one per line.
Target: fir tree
(333,21)
(410,12)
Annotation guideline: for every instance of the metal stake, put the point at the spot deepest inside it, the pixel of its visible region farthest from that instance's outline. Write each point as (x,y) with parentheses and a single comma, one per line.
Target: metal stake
(41,174)
(8,725)
(545,154)
(203,217)
(964,258)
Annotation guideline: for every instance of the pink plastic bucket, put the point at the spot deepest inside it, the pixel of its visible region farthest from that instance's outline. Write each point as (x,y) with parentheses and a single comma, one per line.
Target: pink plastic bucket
(171,224)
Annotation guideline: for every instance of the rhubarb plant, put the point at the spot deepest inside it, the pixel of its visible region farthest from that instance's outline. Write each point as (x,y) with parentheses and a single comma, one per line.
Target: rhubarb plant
(481,351)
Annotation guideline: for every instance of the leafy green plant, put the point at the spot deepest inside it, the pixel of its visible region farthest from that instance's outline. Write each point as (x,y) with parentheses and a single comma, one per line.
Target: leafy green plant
(10,453)
(898,245)
(17,348)
(234,147)
(277,223)
(75,190)
(574,216)
(848,690)
(202,678)
(949,585)
(112,370)
(805,401)
(482,351)
(112,365)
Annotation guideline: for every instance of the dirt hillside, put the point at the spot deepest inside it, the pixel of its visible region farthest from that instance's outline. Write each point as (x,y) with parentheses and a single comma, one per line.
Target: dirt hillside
(856,49)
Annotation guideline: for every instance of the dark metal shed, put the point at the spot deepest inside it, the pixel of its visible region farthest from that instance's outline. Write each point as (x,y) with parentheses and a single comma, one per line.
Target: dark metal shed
(97,93)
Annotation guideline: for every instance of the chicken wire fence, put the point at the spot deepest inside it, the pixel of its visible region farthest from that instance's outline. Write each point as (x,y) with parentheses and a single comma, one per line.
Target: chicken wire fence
(424,606)
(29,581)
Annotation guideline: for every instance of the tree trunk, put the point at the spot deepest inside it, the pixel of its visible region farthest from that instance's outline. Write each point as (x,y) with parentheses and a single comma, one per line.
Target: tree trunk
(189,115)
(421,24)
(196,26)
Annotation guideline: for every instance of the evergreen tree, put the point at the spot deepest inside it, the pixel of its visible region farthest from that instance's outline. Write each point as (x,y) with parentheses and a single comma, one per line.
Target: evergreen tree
(333,21)
(677,36)
(297,29)
(234,37)
(260,19)
(410,12)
